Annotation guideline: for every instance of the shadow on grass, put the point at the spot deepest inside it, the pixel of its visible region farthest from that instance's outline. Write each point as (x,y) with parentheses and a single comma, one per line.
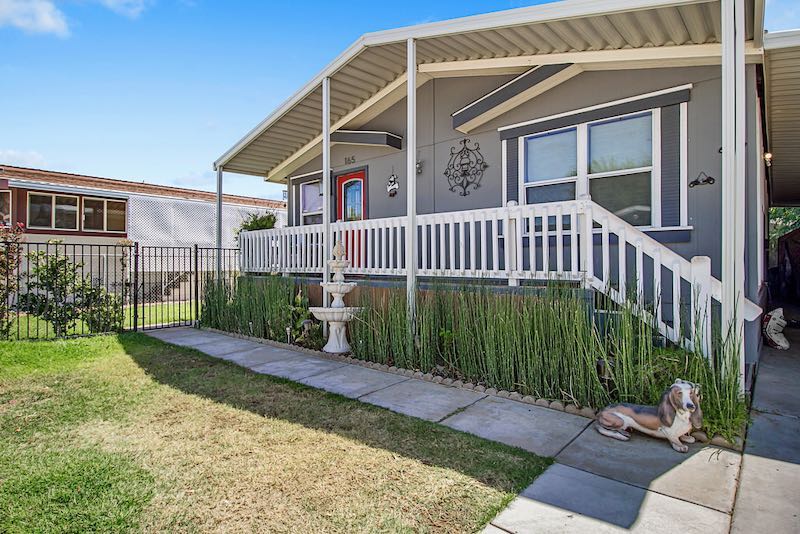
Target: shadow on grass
(496,465)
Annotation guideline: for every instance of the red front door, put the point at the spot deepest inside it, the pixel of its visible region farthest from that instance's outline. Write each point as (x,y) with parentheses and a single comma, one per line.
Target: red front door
(351,205)
(351,196)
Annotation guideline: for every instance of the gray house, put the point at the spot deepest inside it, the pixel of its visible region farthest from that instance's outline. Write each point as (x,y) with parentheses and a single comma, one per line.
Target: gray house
(626,145)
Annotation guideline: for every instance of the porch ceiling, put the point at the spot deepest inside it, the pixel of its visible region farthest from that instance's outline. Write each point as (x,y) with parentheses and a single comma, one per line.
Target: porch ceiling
(370,75)
(782,91)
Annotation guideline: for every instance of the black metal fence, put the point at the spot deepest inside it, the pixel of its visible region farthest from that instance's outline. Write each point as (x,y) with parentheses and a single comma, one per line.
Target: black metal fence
(53,290)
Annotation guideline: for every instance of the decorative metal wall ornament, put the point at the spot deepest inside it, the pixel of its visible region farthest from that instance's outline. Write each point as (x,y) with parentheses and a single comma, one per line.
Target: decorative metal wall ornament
(465,168)
(702,179)
(392,184)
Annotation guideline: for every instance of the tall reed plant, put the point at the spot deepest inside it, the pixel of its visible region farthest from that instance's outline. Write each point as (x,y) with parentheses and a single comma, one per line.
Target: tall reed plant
(546,342)
(256,306)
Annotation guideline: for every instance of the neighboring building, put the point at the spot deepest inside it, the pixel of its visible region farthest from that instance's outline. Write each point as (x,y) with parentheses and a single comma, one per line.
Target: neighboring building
(541,138)
(86,209)
(90,216)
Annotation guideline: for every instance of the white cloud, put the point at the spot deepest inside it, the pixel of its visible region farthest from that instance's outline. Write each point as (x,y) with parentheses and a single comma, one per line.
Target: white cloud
(782,15)
(44,16)
(22,158)
(129,8)
(33,16)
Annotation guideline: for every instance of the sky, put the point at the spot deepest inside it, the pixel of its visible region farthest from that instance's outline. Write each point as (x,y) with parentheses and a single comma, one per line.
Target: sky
(156,90)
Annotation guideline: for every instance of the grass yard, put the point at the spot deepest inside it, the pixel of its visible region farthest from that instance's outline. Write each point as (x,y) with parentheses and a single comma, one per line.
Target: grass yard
(31,327)
(126,433)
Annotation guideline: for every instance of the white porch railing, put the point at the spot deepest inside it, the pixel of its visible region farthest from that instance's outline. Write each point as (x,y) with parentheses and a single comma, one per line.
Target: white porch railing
(575,240)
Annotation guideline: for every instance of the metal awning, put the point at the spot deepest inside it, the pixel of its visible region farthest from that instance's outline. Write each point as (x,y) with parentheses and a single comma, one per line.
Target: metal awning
(370,75)
(782,92)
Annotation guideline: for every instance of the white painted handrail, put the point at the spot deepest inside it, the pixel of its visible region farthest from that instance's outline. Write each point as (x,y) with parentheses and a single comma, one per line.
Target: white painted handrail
(574,240)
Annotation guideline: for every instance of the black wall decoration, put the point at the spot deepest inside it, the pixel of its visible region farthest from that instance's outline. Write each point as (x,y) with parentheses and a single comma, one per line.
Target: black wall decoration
(465,168)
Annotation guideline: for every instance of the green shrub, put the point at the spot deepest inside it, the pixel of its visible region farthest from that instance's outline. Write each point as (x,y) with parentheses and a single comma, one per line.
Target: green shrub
(57,292)
(257,221)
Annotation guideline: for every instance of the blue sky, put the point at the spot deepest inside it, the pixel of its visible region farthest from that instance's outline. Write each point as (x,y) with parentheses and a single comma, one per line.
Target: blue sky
(155,90)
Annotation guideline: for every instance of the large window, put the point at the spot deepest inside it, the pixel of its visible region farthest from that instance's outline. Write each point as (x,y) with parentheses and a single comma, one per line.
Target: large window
(310,203)
(610,161)
(5,208)
(46,211)
(103,215)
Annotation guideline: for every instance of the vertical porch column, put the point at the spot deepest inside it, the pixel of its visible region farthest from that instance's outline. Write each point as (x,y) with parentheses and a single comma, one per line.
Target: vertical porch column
(733,175)
(218,232)
(327,246)
(411,173)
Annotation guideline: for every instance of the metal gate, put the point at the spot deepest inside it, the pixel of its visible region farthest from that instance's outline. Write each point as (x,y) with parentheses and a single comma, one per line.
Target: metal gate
(170,282)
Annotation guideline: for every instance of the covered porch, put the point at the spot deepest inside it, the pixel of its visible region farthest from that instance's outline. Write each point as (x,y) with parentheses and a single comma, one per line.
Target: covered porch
(576,239)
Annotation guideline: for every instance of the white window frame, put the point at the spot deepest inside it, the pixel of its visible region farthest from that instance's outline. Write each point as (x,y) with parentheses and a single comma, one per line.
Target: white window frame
(304,214)
(10,207)
(53,197)
(583,177)
(105,202)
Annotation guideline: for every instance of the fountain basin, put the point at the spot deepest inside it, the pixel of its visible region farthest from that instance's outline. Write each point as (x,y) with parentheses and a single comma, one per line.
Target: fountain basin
(334,315)
(337,327)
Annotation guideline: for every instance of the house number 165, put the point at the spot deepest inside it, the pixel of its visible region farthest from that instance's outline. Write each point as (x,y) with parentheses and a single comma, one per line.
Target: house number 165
(349,160)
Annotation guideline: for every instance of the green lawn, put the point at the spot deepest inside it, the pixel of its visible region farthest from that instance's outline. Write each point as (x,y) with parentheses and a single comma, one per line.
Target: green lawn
(125,433)
(31,327)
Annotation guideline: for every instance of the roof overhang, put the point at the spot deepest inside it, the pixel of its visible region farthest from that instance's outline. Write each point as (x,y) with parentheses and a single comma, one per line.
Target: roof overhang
(782,93)
(369,76)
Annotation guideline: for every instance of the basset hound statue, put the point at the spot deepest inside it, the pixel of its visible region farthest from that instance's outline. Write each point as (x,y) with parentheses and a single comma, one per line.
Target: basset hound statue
(673,419)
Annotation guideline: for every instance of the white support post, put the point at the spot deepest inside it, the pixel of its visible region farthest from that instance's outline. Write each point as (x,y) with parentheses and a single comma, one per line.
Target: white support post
(218,231)
(411,176)
(733,175)
(327,239)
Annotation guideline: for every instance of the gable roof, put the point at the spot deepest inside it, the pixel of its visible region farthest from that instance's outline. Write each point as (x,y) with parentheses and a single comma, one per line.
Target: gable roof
(9,172)
(369,76)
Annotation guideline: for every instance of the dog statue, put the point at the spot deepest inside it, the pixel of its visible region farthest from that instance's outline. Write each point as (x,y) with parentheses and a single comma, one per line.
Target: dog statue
(673,419)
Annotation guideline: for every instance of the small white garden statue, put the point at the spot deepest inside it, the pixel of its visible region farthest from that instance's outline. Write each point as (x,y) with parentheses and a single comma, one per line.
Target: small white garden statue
(337,315)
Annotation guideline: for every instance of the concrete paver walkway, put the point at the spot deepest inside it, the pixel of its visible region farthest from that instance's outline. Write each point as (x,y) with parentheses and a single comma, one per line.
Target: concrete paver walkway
(769,487)
(597,484)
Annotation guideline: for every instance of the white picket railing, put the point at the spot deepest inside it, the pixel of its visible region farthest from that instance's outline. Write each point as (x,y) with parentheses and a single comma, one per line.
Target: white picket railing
(575,240)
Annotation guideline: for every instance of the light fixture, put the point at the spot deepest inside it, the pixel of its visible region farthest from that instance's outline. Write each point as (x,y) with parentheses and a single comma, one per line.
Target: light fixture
(419,166)
(768,159)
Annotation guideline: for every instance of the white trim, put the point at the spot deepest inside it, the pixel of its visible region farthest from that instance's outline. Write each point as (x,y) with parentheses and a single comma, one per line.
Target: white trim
(521,170)
(296,176)
(655,174)
(646,57)
(620,172)
(600,106)
(10,207)
(583,178)
(304,214)
(514,17)
(105,202)
(504,173)
(53,197)
(782,39)
(684,176)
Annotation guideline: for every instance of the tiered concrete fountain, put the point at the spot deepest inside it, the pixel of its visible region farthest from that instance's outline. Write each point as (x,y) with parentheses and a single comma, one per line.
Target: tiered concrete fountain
(337,315)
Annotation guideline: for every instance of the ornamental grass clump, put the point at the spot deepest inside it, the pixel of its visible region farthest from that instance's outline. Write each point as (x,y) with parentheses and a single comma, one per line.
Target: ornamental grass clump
(553,342)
